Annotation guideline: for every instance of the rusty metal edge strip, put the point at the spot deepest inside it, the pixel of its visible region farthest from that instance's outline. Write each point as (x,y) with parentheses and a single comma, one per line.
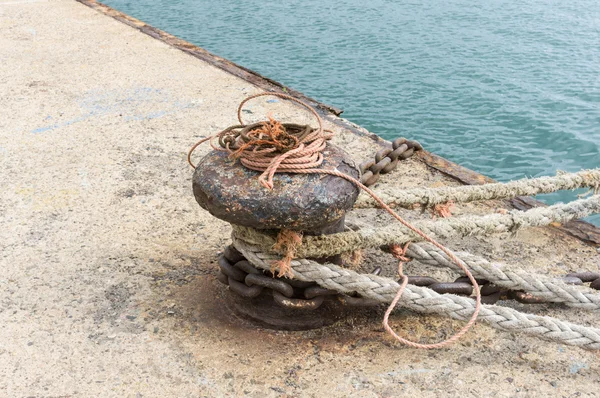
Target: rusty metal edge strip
(582,230)
(228,66)
(329,112)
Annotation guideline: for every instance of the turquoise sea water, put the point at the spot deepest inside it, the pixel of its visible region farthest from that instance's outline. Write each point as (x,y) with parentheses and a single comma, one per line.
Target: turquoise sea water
(507,88)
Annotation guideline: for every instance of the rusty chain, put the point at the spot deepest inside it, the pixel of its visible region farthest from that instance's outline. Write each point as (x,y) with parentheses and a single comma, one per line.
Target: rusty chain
(247,281)
(491,293)
(387,159)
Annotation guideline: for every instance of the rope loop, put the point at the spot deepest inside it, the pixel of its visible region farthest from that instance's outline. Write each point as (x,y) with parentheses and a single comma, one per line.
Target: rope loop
(284,96)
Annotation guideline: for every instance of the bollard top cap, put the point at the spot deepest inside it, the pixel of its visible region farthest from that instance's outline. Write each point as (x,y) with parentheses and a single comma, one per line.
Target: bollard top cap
(301,202)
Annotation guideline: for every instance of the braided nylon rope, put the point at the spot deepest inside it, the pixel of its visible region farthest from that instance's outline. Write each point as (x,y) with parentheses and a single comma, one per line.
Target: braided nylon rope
(328,245)
(539,286)
(424,300)
(469,193)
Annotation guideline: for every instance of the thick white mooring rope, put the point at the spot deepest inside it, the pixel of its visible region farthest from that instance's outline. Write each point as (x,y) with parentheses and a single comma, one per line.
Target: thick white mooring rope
(424,300)
(343,242)
(540,286)
(469,193)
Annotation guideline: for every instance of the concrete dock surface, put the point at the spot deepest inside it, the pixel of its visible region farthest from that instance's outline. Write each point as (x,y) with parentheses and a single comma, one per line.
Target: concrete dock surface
(107,263)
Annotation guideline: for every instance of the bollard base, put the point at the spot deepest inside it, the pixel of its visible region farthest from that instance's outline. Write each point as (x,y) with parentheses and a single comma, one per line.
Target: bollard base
(281,303)
(265,312)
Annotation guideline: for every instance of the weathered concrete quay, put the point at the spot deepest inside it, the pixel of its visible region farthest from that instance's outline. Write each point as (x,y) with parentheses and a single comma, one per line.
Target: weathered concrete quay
(108,263)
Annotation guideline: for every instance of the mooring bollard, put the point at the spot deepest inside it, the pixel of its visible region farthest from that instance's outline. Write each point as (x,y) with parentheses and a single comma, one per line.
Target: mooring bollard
(310,203)
(314,204)
(307,185)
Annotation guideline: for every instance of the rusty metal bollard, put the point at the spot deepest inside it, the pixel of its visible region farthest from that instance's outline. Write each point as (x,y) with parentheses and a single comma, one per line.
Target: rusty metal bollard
(302,202)
(312,203)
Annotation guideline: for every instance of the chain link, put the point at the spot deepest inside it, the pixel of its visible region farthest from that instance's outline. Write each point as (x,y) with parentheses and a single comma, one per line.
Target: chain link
(387,159)
(247,281)
(491,293)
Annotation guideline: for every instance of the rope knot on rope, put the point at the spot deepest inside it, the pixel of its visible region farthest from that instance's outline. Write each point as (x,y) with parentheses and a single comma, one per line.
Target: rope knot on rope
(443,210)
(400,252)
(287,242)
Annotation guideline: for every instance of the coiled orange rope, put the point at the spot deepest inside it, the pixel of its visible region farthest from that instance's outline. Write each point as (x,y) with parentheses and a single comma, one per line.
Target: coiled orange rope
(261,146)
(267,147)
